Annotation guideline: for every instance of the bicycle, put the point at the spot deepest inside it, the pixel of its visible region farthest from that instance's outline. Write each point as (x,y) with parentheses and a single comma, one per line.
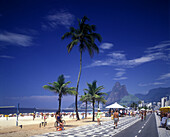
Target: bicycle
(63,122)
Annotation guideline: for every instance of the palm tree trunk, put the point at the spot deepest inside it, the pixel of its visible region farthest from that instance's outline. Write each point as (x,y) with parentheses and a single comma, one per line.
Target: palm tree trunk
(77,114)
(93,108)
(86,110)
(59,100)
(98,104)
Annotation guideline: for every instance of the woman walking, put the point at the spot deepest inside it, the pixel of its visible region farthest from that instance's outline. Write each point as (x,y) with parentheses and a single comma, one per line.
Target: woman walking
(99,116)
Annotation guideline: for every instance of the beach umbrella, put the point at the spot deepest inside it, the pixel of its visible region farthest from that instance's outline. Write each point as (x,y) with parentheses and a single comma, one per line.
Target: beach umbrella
(165,109)
(142,109)
(115,105)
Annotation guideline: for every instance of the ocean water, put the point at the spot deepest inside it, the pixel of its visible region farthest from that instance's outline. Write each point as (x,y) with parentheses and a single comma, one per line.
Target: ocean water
(7,111)
(24,110)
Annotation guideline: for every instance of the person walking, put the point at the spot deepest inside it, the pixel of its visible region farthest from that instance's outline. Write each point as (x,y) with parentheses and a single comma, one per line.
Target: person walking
(116,118)
(144,115)
(99,116)
(33,116)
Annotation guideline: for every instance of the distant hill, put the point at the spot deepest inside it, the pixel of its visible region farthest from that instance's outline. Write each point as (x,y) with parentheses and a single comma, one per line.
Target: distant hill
(128,100)
(117,93)
(154,95)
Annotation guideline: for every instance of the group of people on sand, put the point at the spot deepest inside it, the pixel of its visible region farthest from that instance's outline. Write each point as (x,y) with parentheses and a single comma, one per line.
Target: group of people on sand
(60,126)
(114,116)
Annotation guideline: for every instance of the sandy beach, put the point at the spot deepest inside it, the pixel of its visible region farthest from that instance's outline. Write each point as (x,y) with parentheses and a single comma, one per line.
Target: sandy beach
(31,127)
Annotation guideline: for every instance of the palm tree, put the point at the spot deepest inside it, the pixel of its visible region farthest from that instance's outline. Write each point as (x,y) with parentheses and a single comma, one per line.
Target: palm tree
(84,36)
(85,98)
(60,87)
(101,99)
(94,92)
(134,105)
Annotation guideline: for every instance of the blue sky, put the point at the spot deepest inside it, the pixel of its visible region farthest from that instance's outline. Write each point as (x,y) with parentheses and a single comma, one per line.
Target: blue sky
(135,49)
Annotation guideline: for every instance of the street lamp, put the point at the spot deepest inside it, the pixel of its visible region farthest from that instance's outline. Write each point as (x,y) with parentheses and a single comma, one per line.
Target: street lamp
(17,114)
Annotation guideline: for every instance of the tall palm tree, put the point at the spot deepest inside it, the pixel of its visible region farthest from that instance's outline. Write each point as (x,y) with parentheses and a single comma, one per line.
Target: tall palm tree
(85,98)
(94,92)
(84,37)
(101,99)
(60,87)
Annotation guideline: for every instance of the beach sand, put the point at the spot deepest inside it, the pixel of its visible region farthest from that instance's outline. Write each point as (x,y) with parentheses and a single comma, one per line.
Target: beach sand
(30,127)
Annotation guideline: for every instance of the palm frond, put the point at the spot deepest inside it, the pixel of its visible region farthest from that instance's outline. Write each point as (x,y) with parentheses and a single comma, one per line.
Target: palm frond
(49,87)
(99,88)
(65,84)
(93,27)
(61,79)
(97,36)
(71,45)
(102,93)
(91,53)
(86,89)
(66,35)
(95,48)
(72,29)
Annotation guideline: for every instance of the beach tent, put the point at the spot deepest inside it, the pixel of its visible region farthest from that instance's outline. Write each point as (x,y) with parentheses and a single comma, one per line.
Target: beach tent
(115,105)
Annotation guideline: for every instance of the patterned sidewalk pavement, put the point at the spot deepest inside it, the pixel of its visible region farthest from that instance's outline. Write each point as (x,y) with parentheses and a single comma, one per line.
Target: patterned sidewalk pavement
(94,130)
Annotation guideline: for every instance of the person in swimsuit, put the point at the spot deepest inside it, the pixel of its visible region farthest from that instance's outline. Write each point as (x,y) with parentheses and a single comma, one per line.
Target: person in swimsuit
(98,116)
(58,120)
(116,118)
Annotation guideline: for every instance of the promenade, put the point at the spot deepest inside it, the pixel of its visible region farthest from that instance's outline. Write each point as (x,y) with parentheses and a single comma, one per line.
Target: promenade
(94,130)
(128,126)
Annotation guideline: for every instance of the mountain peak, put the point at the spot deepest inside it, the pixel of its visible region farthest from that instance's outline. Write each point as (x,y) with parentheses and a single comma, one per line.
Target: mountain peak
(117,84)
(117,93)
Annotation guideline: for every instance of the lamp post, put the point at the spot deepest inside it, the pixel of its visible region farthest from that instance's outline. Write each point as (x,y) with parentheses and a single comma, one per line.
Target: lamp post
(17,114)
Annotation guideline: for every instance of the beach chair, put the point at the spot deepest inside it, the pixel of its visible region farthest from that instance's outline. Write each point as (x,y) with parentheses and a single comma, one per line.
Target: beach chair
(163,122)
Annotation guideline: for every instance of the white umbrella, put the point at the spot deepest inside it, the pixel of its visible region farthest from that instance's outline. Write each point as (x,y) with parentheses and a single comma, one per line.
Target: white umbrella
(115,105)
(142,109)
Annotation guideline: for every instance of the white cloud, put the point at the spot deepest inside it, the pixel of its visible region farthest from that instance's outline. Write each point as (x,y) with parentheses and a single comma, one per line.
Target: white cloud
(142,60)
(67,76)
(107,62)
(101,51)
(120,78)
(159,48)
(59,18)
(150,84)
(6,57)
(119,74)
(165,76)
(106,45)
(159,52)
(16,39)
(117,55)
(146,58)
(120,69)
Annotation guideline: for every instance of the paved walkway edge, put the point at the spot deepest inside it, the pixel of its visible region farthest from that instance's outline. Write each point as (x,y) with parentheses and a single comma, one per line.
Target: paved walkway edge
(162,132)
